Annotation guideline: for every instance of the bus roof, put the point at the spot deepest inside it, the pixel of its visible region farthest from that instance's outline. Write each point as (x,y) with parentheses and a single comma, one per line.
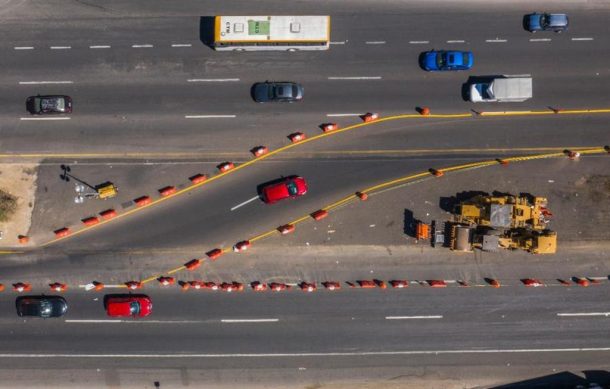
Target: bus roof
(272,28)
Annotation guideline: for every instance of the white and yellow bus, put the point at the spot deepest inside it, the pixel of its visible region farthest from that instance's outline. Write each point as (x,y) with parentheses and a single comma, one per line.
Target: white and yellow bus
(259,33)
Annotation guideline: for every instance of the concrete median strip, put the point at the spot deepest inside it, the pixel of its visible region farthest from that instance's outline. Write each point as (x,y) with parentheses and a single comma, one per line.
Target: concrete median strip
(315,354)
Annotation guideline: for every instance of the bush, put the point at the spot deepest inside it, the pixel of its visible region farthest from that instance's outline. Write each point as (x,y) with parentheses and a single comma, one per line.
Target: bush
(8,205)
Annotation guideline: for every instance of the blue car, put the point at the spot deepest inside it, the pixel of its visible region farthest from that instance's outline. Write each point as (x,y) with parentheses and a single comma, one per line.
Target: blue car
(442,60)
(546,22)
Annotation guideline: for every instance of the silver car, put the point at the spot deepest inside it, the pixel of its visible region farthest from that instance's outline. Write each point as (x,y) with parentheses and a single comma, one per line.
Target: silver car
(263,92)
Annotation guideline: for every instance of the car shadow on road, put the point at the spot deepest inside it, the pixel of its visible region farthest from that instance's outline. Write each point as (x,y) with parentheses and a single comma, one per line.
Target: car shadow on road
(593,379)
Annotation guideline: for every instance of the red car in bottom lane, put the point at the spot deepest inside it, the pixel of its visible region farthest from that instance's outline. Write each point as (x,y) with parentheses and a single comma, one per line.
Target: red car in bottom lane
(127,305)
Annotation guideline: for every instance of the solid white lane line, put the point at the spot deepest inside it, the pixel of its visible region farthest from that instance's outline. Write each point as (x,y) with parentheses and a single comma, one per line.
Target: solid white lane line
(181,45)
(584,314)
(60,47)
(138,321)
(24,48)
(375,42)
(321,354)
(212,80)
(540,39)
(100,47)
(44,82)
(208,116)
(59,118)
(338,43)
(419,42)
(457,41)
(141,46)
(249,320)
(582,39)
(355,78)
(496,40)
(332,115)
(245,202)
(413,317)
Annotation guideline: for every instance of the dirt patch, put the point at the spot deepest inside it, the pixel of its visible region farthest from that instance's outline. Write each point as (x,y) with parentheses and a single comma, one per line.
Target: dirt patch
(17,195)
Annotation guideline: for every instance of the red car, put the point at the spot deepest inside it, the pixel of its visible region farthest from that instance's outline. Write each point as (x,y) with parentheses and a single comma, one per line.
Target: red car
(128,305)
(289,187)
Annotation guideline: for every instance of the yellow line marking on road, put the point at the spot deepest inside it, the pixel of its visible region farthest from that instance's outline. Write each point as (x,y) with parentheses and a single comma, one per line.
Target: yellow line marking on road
(258,159)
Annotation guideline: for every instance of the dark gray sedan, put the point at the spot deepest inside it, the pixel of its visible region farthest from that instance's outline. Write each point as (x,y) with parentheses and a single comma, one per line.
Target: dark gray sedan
(41,306)
(263,92)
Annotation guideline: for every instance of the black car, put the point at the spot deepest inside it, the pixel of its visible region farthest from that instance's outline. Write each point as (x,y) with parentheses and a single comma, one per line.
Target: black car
(263,92)
(41,306)
(49,105)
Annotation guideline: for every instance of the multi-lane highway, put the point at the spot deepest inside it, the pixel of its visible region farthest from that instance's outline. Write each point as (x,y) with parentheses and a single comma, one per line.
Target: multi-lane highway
(151,99)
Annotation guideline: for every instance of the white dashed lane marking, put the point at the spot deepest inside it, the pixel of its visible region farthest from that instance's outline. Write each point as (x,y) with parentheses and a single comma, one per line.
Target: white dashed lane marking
(496,40)
(209,116)
(456,41)
(540,40)
(332,115)
(24,48)
(212,80)
(606,314)
(356,78)
(44,82)
(142,46)
(181,45)
(375,42)
(249,320)
(419,42)
(55,118)
(582,39)
(413,317)
(338,43)
(60,47)
(100,47)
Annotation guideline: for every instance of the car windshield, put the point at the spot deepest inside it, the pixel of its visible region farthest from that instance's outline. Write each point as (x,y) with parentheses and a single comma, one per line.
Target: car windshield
(441,60)
(465,60)
(292,188)
(295,90)
(134,307)
(544,20)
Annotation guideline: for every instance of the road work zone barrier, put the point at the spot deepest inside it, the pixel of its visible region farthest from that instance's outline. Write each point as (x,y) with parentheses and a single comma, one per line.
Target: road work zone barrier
(22,287)
(258,286)
(241,246)
(192,264)
(167,191)
(62,232)
(1,287)
(225,166)
(369,117)
(328,127)
(198,178)
(90,221)
(142,201)
(58,287)
(296,137)
(23,239)
(166,281)
(531,282)
(286,229)
(259,150)
(319,214)
(493,282)
(108,214)
(214,254)
(331,285)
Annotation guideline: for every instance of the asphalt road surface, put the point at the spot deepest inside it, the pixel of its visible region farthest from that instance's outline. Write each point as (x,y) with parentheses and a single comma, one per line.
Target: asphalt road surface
(142,81)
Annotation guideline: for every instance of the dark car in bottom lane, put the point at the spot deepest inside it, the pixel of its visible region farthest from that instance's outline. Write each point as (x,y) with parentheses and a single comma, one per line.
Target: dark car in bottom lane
(41,306)
(287,92)
(49,105)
